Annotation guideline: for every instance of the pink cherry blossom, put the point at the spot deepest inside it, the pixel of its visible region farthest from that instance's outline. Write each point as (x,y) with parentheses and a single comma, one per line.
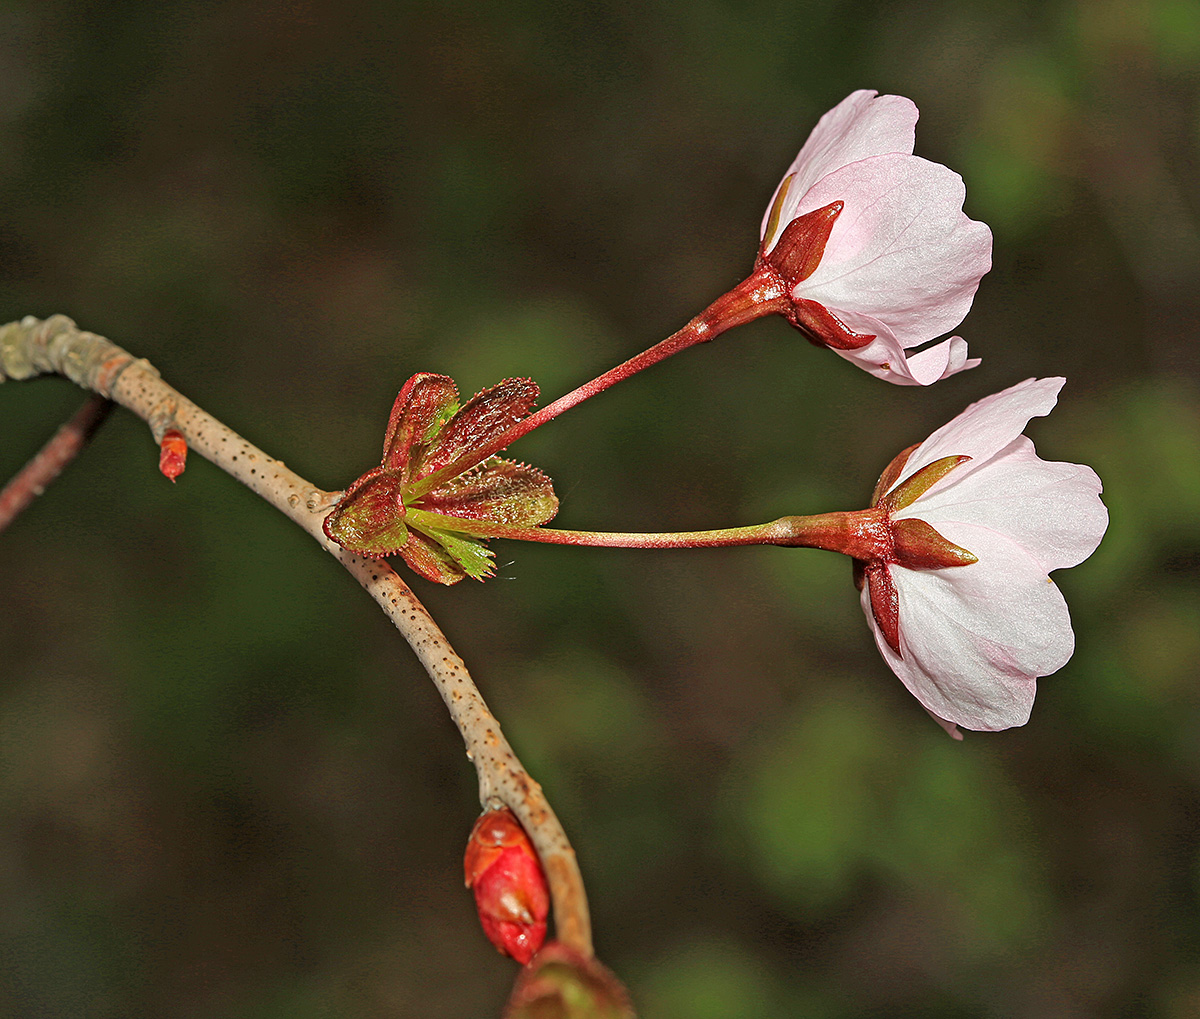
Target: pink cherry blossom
(901,262)
(973,640)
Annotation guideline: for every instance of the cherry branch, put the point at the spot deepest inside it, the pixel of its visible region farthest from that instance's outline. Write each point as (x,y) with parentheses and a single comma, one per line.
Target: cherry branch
(55,345)
(48,463)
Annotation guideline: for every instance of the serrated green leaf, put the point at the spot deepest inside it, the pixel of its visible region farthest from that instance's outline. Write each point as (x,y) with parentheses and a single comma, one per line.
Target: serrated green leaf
(471,554)
(429,559)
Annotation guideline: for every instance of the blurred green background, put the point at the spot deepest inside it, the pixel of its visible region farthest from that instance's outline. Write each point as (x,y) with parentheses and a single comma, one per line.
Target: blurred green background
(226,787)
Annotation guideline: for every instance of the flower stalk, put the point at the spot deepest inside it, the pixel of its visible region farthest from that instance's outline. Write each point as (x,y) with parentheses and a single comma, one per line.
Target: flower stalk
(840,197)
(761,293)
(861,534)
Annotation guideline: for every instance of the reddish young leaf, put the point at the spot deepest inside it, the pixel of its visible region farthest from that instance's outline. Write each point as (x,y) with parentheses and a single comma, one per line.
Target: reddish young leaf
(561,983)
(425,403)
(369,519)
(482,418)
(500,490)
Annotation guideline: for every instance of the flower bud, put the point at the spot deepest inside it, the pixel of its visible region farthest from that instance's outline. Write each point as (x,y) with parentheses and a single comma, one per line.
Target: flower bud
(511,894)
(564,984)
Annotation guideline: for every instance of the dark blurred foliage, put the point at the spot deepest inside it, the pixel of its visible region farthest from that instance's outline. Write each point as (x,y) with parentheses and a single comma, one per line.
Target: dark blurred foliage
(226,787)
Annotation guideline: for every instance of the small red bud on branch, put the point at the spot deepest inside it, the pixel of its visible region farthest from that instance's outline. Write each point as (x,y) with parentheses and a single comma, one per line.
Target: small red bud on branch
(511,893)
(172,457)
(562,983)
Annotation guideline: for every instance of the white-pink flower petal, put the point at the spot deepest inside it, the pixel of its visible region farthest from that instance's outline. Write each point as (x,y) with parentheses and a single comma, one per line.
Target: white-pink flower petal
(985,428)
(975,639)
(863,124)
(1051,509)
(901,251)
(882,241)
(884,358)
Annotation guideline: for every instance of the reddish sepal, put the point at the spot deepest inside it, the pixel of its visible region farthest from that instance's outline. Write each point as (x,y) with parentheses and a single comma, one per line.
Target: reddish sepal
(823,327)
(914,487)
(802,244)
(919,547)
(891,474)
(885,605)
(793,259)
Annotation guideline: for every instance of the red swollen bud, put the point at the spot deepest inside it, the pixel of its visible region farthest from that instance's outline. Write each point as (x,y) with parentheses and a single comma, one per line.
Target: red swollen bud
(172,457)
(511,893)
(562,983)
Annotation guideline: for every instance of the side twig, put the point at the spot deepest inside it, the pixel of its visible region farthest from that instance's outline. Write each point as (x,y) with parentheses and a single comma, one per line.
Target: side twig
(55,346)
(48,463)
